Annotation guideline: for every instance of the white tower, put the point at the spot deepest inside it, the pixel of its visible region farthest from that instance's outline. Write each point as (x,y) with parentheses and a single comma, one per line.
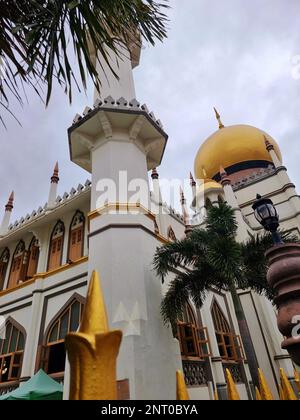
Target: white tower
(7,215)
(118,143)
(53,188)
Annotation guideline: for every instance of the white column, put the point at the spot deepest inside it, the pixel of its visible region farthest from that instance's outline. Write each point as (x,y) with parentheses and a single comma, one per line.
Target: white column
(242,232)
(123,86)
(284,179)
(32,338)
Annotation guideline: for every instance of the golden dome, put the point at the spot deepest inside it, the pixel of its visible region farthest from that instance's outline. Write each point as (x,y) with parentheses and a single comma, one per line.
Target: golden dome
(235,148)
(210,184)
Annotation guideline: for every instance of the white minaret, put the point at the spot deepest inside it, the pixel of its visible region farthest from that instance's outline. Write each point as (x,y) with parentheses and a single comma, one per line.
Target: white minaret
(242,232)
(122,65)
(53,187)
(7,215)
(118,143)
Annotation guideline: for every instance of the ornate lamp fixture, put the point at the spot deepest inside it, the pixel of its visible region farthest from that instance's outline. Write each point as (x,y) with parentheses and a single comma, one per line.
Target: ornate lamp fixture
(267,215)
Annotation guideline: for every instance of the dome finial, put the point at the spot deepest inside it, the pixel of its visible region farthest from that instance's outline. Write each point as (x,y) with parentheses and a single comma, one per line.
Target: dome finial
(218,116)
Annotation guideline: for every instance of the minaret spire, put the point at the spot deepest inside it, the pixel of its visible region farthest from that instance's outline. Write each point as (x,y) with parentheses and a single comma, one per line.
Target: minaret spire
(7,215)
(156,187)
(270,148)
(185,213)
(10,204)
(218,116)
(53,187)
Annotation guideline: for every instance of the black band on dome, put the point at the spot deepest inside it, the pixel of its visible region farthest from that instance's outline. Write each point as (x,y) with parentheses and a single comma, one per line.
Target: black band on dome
(238,167)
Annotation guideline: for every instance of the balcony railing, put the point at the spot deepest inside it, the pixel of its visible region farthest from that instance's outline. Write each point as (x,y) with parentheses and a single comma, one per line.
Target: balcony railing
(195,373)
(7,387)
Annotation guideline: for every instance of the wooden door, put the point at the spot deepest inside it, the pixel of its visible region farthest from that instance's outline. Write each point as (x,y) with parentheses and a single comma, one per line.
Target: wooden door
(55,253)
(16,271)
(76,243)
(33,261)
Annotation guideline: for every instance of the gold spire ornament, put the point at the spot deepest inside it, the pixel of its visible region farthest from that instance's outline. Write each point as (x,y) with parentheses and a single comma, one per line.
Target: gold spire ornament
(257,395)
(182,392)
(281,394)
(233,394)
(218,116)
(216,395)
(93,351)
(297,380)
(288,391)
(264,389)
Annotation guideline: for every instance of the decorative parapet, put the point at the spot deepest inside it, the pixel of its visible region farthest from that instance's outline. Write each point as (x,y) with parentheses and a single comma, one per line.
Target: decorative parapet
(120,104)
(42,211)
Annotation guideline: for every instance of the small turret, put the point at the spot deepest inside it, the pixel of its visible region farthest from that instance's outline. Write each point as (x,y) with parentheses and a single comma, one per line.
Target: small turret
(53,187)
(7,215)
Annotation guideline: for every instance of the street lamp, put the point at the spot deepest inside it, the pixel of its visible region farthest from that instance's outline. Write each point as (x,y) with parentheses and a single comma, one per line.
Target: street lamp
(266,214)
(283,276)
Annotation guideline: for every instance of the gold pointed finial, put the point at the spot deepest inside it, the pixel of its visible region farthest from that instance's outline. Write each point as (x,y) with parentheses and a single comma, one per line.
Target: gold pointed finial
(257,395)
(216,395)
(297,380)
(233,394)
(281,394)
(287,387)
(94,320)
(218,116)
(264,389)
(182,392)
(93,351)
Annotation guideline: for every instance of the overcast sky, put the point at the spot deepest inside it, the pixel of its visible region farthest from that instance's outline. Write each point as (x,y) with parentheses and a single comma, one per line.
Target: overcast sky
(236,55)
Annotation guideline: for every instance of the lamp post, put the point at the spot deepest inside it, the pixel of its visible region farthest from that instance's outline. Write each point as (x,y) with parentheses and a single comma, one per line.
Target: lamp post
(266,214)
(284,276)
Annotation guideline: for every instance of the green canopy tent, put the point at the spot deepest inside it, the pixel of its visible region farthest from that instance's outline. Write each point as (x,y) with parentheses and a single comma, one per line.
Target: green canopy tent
(39,387)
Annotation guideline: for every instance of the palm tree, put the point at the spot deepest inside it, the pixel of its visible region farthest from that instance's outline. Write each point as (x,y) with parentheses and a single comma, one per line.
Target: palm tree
(36,38)
(211,258)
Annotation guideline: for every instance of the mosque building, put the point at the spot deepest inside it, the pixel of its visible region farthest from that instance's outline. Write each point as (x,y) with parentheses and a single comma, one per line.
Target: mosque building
(48,256)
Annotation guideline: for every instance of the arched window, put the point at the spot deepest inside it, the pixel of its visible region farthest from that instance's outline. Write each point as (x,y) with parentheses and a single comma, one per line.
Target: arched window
(193,339)
(76,238)
(11,352)
(4,260)
(33,258)
(229,344)
(53,353)
(171,234)
(18,266)
(56,246)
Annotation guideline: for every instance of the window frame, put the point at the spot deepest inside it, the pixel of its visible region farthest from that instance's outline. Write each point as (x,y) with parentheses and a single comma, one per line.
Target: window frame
(44,349)
(52,239)
(22,269)
(229,344)
(12,354)
(78,212)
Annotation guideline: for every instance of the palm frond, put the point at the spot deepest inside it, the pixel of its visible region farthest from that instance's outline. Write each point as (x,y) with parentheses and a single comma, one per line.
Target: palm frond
(221,221)
(180,253)
(36,37)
